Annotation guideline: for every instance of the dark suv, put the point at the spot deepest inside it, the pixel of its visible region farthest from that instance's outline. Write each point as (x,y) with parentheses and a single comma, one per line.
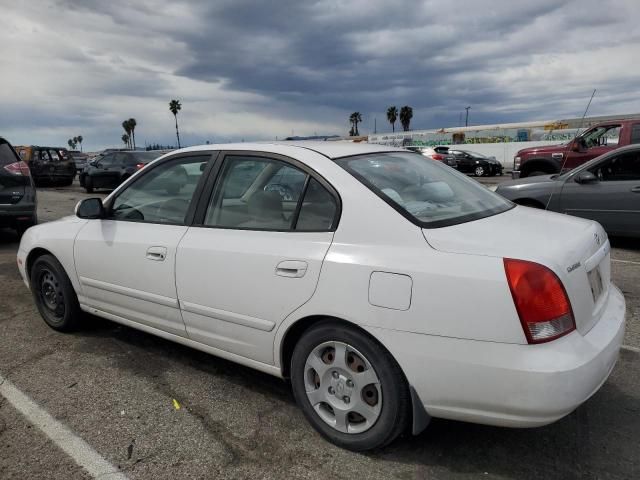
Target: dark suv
(17,192)
(50,165)
(113,168)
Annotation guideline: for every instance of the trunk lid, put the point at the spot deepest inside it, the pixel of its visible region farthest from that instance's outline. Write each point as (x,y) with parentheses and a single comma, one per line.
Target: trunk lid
(577,250)
(12,186)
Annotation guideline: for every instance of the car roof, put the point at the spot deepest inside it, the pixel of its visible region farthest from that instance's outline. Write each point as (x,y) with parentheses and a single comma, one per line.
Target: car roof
(328,149)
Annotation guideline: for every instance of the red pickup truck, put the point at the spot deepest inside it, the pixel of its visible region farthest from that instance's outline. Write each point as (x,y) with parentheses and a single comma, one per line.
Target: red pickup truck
(595,141)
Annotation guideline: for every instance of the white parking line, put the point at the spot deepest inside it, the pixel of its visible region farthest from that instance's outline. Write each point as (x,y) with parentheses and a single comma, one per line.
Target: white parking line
(625,261)
(79,450)
(630,348)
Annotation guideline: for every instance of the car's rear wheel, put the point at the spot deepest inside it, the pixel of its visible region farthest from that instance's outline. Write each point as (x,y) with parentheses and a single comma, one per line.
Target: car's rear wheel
(536,173)
(479,171)
(54,295)
(88,184)
(349,387)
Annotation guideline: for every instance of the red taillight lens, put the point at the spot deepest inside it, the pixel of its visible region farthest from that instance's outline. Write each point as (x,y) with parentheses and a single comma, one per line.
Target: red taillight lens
(541,300)
(140,165)
(437,156)
(18,168)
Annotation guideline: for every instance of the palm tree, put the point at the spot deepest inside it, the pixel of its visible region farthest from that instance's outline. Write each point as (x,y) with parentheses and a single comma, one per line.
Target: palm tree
(132,126)
(406,114)
(125,139)
(70,143)
(75,142)
(392,116)
(127,128)
(355,118)
(175,107)
(80,141)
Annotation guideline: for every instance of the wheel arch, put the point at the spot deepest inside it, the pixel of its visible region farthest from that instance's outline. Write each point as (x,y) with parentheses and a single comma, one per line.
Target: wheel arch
(33,255)
(529,202)
(420,418)
(538,164)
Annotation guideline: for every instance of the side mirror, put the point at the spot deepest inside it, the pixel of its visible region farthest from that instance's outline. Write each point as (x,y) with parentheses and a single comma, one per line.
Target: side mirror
(586,177)
(90,208)
(578,145)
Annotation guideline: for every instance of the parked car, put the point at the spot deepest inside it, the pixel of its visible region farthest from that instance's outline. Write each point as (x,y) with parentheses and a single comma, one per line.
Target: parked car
(349,283)
(438,153)
(606,189)
(80,159)
(592,143)
(475,163)
(48,165)
(111,169)
(18,201)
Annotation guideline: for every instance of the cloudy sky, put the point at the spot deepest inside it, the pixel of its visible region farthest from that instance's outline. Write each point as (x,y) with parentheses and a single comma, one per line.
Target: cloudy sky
(261,70)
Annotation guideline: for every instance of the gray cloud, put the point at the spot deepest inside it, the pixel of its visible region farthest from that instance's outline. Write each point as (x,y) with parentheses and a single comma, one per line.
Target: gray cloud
(261,69)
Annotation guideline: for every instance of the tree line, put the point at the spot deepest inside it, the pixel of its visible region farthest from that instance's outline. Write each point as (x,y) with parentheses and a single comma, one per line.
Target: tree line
(129,126)
(405,115)
(73,142)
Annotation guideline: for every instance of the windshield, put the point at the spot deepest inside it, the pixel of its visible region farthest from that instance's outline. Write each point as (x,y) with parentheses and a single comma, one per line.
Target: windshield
(475,154)
(429,193)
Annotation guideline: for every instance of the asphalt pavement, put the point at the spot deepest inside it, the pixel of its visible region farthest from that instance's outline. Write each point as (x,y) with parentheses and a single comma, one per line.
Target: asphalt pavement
(153,409)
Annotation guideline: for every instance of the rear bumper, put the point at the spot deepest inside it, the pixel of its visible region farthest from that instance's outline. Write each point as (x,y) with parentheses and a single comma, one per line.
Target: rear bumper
(10,215)
(509,384)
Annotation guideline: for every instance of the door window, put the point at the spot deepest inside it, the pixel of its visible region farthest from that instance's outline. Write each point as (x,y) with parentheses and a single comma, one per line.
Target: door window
(163,194)
(619,168)
(635,133)
(43,156)
(54,156)
(107,161)
(318,210)
(255,193)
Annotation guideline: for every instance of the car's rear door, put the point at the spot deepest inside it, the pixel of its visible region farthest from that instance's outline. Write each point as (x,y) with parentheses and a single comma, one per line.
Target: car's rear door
(254,253)
(614,200)
(126,262)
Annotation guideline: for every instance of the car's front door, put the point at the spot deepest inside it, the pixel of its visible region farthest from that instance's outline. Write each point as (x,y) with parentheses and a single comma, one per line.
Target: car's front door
(102,173)
(126,262)
(592,144)
(614,199)
(254,254)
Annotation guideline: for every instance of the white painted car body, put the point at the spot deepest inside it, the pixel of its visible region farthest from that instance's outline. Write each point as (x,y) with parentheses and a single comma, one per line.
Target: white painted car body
(437,299)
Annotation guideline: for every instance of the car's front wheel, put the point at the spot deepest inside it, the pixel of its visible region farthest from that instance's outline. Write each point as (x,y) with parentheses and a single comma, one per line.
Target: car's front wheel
(54,295)
(479,171)
(88,184)
(349,387)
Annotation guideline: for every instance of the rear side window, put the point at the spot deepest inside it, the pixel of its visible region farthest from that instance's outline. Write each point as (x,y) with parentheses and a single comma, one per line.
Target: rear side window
(318,210)
(635,133)
(7,155)
(54,155)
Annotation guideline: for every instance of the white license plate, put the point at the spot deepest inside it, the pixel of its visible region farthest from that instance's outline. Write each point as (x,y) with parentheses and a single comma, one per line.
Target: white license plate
(595,282)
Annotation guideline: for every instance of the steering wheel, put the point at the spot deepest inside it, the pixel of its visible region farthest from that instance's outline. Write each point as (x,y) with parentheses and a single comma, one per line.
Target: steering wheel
(286,193)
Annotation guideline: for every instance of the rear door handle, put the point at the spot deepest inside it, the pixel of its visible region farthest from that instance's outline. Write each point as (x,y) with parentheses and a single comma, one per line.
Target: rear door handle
(291,268)
(636,189)
(157,254)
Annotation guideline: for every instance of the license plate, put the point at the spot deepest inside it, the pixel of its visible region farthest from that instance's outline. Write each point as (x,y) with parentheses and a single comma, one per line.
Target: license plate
(595,282)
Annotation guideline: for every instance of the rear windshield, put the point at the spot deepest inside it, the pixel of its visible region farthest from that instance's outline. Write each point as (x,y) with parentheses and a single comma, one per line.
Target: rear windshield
(7,155)
(427,192)
(146,157)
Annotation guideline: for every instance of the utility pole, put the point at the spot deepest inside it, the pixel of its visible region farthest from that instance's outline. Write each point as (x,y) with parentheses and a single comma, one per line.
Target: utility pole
(460,120)
(466,120)
(375,125)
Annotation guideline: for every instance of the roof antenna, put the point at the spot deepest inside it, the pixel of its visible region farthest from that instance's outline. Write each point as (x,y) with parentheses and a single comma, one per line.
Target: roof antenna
(564,160)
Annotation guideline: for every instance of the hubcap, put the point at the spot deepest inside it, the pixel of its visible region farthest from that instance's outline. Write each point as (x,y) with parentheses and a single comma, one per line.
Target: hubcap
(51,293)
(479,171)
(342,387)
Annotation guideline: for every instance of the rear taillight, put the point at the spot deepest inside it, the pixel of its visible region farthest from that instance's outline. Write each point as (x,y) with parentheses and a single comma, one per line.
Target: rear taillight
(540,299)
(18,168)
(437,156)
(140,165)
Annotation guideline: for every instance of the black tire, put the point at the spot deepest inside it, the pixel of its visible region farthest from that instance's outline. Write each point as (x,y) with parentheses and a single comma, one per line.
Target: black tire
(68,182)
(54,295)
(81,180)
(395,412)
(88,184)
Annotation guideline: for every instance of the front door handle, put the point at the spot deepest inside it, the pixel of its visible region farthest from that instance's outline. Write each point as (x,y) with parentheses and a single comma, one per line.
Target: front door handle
(157,254)
(636,189)
(291,268)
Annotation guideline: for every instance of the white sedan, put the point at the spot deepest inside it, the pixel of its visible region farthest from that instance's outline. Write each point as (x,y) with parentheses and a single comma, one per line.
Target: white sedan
(389,288)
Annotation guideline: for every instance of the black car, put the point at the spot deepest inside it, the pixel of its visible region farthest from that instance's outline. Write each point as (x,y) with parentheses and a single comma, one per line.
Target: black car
(111,169)
(79,159)
(475,163)
(48,165)
(18,205)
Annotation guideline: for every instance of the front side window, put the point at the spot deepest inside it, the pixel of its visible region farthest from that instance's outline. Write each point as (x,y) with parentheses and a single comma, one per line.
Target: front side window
(54,155)
(635,133)
(428,193)
(619,168)
(163,194)
(107,161)
(255,193)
